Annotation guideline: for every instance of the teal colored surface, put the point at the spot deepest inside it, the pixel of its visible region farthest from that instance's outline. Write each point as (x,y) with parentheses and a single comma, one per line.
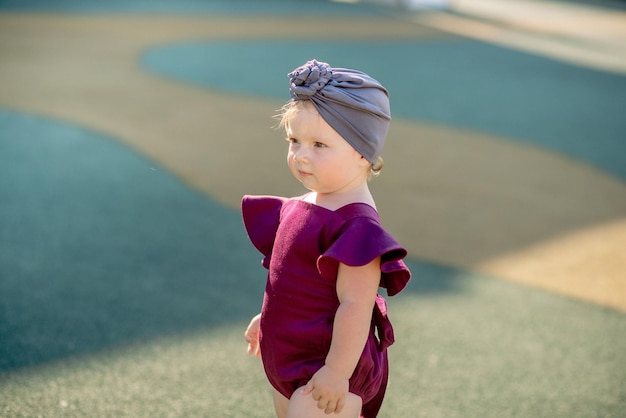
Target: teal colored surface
(100,247)
(465,84)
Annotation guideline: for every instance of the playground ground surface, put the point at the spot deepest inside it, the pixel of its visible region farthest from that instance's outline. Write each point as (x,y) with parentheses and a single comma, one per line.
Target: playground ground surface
(130,130)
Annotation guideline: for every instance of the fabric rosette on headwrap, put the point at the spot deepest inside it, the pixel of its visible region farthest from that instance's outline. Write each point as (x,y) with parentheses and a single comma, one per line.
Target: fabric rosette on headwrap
(350,101)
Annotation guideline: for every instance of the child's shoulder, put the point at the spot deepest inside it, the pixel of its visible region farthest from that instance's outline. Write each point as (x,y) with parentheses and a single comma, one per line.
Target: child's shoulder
(261,203)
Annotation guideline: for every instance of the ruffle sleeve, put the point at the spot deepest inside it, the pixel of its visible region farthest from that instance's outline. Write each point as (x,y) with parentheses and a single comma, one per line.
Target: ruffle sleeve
(361,241)
(261,215)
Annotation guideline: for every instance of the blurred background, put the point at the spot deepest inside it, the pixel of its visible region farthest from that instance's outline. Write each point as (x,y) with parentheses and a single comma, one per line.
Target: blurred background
(129,131)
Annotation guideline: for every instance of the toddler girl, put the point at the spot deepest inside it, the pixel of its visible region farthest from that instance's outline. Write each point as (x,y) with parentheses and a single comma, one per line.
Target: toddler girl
(323,330)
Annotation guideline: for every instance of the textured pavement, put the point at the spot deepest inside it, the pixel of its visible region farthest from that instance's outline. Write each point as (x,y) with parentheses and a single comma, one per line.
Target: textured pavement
(128,134)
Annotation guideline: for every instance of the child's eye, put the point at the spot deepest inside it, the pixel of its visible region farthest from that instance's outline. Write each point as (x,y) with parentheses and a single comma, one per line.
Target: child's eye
(319,145)
(292,140)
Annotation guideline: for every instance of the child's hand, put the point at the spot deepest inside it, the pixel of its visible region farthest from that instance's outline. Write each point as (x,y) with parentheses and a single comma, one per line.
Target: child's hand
(252,336)
(329,389)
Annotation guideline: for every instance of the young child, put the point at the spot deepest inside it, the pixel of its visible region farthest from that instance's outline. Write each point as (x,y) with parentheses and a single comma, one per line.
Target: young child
(323,330)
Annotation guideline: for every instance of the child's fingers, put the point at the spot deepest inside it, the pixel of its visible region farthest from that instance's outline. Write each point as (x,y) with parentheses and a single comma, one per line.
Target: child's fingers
(253,343)
(340,404)
(308,388)
(254,349)
(331,406)
(252,336)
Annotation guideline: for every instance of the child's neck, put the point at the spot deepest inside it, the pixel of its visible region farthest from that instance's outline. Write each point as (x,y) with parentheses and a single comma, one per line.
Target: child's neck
(334,201)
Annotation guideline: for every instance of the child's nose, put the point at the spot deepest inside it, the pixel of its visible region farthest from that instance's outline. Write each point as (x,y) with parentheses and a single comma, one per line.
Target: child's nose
(301,154)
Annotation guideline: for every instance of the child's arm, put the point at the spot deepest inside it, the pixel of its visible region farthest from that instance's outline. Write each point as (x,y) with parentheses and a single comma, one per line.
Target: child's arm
(356,288)
(252,336)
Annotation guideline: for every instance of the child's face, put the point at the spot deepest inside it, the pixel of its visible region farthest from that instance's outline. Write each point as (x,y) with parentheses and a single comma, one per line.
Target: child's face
(319,157)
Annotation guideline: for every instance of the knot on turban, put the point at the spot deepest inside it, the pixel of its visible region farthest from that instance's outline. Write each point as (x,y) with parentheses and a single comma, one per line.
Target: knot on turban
(350,101)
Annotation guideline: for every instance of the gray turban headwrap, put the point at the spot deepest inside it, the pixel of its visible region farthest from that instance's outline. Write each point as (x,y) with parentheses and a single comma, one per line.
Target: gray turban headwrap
(351,102)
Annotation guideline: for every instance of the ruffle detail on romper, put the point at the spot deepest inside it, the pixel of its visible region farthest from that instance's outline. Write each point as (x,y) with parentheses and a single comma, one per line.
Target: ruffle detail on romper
(261,216)
(373,241)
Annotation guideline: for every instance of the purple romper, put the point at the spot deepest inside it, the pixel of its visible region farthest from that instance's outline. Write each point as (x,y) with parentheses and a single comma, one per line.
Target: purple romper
(303,244)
